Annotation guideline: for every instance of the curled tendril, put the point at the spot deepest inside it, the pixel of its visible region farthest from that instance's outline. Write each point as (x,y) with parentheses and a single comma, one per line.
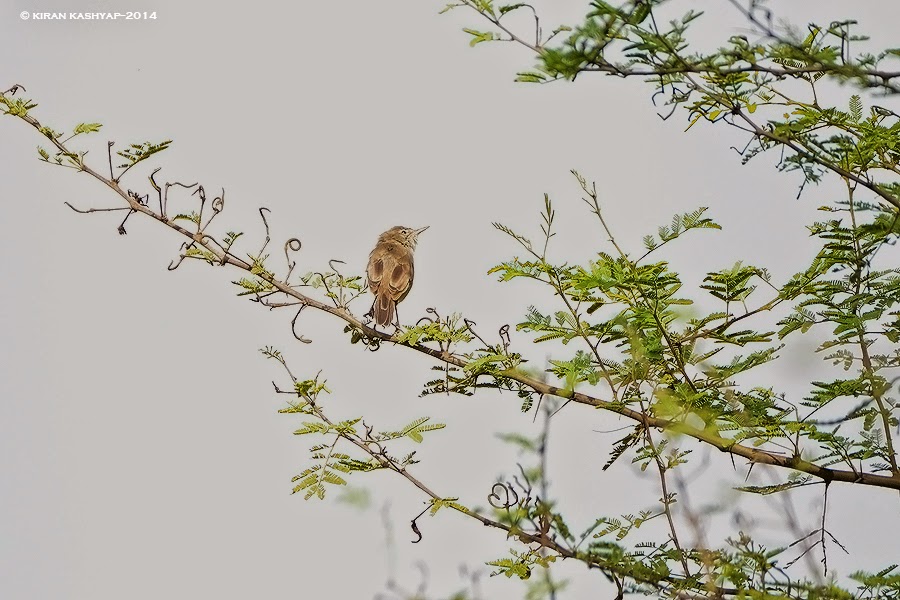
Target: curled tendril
(209,240)
(525,477)
(340,299)
(359,334)
(174,265)
(415,527)
(510,497)
(165,198)
(416,530)
(426,320)
(292,245)
(662,92)
(112,175)
(433,311)
(153,184)
(200,191)
(470,325)
(263,217)
(324,281)
(300,338)
(504,337)
(331,266)
(218,203)
(265,221)
(746,147)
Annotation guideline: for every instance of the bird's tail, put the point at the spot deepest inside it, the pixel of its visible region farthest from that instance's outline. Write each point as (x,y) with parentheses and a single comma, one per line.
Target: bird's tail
(384,310)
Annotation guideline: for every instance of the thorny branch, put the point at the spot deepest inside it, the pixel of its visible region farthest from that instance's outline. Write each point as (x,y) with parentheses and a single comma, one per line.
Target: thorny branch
(691,69)
(200,240)
(376,451)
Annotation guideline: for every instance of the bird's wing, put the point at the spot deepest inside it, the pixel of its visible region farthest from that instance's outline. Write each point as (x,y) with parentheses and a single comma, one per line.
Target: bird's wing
(401,279)
(375,270)
(390,271)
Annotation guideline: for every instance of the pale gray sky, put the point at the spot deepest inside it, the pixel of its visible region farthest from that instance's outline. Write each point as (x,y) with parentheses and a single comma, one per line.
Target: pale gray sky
(142,453)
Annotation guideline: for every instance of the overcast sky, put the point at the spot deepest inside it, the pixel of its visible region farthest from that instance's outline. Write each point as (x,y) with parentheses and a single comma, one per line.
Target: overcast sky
(141,455)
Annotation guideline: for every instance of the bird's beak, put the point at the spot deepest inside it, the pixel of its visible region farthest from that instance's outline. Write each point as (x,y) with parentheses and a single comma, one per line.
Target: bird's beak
(418,231)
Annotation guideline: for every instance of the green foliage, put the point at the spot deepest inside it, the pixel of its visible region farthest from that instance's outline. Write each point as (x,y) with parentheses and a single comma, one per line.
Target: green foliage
(680,224)
(639,349)
(193,217)
(884,584)
(739,84)
(521,564)
(479,36)
(413,430)
(62,159)
(253,286)
(439,503)
(446,332)
(365,450)
(203,254)
(626,333)
(261,283)
(136,153)
(15,107)
(339,288)
(230,238)
(795,480)
(49,133)
(86,128)
(733,285)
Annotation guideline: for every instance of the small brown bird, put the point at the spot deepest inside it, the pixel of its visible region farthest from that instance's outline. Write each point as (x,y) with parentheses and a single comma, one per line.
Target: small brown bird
(390,272)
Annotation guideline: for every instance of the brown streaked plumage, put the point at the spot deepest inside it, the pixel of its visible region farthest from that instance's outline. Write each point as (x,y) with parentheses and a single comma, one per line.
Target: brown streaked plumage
(391,271)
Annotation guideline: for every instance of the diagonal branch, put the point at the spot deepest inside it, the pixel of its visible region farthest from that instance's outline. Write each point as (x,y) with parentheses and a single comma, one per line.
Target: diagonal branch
(224,257)
(609,567)
(704,68)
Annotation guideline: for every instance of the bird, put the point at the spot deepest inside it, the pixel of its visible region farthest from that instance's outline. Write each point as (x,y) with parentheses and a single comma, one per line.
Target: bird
(390,272)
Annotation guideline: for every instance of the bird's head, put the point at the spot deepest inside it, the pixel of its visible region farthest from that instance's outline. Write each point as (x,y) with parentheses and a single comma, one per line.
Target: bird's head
(403,235)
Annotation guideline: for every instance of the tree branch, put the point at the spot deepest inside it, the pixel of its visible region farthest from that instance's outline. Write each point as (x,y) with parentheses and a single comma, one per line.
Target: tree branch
(754,455)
